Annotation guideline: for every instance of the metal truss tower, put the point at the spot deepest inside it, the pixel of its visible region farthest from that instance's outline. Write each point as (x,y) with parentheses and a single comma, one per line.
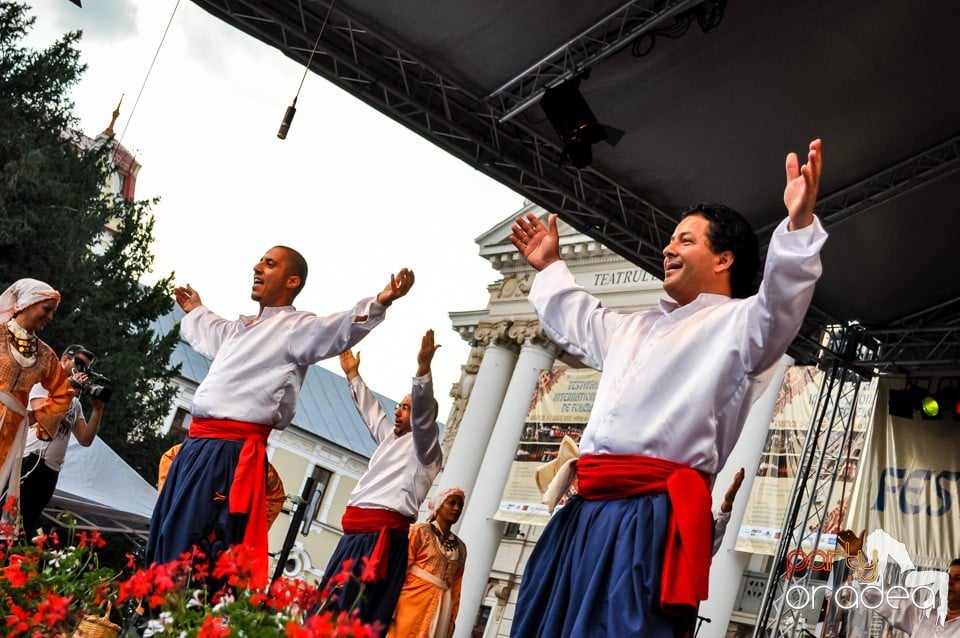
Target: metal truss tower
(823,460)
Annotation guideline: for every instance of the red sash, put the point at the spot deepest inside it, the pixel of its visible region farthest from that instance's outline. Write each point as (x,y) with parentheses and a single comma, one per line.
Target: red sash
(361,520)
(686,559)
(248,492)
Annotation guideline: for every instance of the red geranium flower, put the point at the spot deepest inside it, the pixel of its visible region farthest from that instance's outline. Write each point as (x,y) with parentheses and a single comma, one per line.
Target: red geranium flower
(13,573)
(213,628)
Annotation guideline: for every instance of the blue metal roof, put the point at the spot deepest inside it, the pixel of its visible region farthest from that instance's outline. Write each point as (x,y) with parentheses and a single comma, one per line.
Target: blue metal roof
(324,408)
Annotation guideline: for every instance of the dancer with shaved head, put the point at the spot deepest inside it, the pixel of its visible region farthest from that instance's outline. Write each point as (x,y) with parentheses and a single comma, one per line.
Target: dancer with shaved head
(215,493)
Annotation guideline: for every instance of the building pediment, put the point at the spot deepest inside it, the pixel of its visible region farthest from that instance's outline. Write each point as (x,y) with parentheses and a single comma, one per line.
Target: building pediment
(597,268)
(496,248)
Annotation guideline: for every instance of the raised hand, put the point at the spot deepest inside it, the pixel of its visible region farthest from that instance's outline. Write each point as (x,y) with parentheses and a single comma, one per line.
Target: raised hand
(187,297)
(803,183)
(539,244)
(727,504)
(425,356)
(852,544)
(400,284)
(350,364)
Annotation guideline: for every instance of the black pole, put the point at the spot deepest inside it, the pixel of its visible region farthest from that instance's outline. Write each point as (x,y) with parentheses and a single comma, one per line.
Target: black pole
(700,621)
(302,502)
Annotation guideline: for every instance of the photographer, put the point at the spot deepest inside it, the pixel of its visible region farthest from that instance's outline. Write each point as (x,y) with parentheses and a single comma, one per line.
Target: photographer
(43,455)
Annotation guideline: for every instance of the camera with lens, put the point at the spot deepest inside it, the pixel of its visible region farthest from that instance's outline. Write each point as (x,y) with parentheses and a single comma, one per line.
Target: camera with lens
(96,384)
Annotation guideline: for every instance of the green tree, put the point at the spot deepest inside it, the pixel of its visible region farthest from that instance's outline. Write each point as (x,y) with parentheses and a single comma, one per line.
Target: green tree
(55,210)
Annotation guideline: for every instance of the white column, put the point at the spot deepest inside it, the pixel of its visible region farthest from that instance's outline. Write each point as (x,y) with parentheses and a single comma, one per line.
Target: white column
(479,531)
(726,571)
(463,464)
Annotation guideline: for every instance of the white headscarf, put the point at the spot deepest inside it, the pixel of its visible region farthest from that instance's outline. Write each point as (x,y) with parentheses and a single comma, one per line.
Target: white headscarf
(440,497)
(23,293)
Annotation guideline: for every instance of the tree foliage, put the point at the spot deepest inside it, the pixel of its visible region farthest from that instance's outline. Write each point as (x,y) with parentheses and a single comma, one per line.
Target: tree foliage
(55,208)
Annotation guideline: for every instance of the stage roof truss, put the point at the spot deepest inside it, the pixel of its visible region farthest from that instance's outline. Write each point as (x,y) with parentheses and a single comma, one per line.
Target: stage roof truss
(876,189)
(472,127)
(602,39)
(919,351)
(394,82)
(912,350)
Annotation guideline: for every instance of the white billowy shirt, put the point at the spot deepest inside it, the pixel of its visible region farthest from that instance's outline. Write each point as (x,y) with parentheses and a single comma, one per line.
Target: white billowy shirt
(905,615)
(259,363)
(54,451)
(677,382)
(402,468)
(911,620)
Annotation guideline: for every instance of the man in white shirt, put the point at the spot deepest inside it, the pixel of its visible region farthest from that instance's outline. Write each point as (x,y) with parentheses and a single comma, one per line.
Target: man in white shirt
(386,500)
(43,456)
(898,606)
(920,623)
(215,492)
(630,554)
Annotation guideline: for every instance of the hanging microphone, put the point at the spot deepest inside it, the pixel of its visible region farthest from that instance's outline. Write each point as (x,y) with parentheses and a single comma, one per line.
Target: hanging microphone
(287,119)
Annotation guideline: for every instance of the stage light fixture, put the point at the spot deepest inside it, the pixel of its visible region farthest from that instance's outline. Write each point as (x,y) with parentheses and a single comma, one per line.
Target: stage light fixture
(948,399)
(900,404)
(930,407)
(575,123)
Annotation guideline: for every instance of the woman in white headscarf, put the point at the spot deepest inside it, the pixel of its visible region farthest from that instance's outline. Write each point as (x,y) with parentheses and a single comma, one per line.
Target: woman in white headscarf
(430,596)
(25,308)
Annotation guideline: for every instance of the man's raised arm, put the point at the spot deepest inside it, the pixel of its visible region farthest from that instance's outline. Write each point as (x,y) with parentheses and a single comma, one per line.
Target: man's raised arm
(367,405)
(803,184)
(539,244)
(423,414)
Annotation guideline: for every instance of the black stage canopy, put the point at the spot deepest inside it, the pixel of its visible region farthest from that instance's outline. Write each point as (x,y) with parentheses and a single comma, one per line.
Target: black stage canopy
(707,114)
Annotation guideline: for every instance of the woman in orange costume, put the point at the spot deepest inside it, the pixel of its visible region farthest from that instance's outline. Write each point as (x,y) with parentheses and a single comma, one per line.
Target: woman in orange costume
(431,593)
(25,308)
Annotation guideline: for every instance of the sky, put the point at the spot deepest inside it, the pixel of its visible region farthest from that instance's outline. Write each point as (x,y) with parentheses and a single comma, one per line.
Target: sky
(357,193)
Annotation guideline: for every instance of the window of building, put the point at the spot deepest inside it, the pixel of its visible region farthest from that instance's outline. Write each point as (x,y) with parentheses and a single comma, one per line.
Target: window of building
(512,530)
(480,625)
(321,479)
(181,421)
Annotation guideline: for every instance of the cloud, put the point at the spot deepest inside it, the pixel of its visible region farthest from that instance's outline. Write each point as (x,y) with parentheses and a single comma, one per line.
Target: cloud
(207,39)
(99,19)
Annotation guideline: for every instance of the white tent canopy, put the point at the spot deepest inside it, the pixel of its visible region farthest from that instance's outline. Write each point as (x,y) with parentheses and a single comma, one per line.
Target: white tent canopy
(100,491)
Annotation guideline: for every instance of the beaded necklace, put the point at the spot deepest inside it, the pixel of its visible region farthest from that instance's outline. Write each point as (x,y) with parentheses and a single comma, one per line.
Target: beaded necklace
(448,543)
(24,342)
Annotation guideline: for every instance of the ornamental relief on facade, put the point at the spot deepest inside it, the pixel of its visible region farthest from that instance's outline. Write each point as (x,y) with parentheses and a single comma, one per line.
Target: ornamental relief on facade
(523,330)
(512,287)
(488,332)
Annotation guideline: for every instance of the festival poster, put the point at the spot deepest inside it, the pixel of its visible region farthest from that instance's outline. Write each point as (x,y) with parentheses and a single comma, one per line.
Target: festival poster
(909,487)
(782,454)
(560,407)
